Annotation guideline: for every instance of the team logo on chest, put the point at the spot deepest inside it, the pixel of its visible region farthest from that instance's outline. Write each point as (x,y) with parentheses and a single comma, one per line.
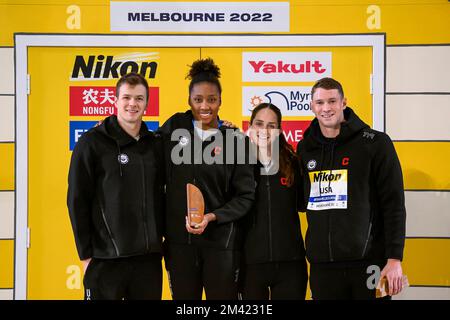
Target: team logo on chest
(311,164)
(123,158)
(183,141)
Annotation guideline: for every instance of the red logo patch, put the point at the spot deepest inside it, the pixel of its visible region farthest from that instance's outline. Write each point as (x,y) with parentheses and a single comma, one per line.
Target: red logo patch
(217,150)
(345,161)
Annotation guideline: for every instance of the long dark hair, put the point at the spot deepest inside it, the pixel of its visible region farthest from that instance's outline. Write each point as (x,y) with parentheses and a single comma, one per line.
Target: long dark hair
(288,157)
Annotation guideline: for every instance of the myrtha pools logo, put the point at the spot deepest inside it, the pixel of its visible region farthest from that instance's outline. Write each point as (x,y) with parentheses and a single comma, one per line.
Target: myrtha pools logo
(292,101)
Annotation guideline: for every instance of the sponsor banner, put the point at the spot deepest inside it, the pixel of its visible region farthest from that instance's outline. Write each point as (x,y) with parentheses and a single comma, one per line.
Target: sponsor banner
(77,128)
(99,101)
(285,66)
(293,130)
(328,190)
(292,101)
(101,67)
(200,16)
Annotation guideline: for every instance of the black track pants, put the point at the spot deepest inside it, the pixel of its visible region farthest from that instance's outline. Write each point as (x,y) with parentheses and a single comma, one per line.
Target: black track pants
(191,268)
(134,278)
(340,283)
(274,280)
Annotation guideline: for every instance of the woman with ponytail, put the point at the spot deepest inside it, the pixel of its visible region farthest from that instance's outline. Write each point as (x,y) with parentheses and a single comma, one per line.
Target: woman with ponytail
(204,255)
(274,264)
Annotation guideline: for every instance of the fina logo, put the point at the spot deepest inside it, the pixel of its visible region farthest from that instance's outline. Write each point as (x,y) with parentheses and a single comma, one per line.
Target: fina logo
(311,164)
(184,141)
(274,97)
(123,158)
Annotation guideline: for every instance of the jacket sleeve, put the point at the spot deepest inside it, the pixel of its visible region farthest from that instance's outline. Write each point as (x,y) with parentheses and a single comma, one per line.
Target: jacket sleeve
(80,197)
(391,197)
(243,184)
(300,182)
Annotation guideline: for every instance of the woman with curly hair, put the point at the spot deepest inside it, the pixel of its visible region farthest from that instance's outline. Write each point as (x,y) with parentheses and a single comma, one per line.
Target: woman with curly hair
(204,255)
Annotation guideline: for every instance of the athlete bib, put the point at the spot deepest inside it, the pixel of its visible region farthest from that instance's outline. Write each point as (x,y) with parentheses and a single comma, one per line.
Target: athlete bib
(332,191)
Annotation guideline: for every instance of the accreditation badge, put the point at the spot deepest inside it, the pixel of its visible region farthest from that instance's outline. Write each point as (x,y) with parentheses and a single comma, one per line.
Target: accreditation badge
(328,190)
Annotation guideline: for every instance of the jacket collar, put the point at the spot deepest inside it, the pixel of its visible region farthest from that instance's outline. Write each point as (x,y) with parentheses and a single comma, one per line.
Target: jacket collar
(111,128)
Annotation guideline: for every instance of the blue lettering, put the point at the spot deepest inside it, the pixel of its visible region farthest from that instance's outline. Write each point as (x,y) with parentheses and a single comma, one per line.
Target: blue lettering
(299,106)
(133,16)
(164,16)
(295,95)
(176,17)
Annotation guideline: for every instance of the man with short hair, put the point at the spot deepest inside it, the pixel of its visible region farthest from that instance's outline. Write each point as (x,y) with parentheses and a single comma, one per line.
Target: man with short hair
(354,200)
(116,200)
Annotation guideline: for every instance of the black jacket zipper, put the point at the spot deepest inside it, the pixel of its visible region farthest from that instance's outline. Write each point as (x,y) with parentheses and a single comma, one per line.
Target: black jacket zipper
(367,240)
(269,211)
(109,232)
(329,238)
(229,235)
(144,206)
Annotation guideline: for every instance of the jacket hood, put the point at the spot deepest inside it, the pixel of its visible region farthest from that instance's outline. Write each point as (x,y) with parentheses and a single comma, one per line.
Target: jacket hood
(111,128)
(352,125)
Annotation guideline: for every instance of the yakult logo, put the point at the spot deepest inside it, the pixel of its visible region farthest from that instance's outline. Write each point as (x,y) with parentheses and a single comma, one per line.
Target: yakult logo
(285,66)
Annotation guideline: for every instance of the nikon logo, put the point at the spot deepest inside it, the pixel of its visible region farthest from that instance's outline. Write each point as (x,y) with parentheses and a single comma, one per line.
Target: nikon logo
(325,177)
(106,67)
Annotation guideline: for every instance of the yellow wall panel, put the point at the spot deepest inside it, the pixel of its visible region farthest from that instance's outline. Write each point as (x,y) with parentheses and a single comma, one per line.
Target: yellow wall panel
(425,165)
(6,263)
(427,261)
(7,166)
(403,21)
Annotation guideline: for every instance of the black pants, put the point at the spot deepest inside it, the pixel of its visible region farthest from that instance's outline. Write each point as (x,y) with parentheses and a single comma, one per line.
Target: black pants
(340,283)
(191,268)
(134,278)
(274,280)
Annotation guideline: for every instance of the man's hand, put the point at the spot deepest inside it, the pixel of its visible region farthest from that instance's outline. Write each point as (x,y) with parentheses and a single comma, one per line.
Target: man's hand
(393,273)
(200,227)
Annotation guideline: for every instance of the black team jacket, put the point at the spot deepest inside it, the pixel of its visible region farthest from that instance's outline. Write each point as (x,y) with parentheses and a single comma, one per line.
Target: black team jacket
(364,162)
(116,192)
(273,232)
(228,188)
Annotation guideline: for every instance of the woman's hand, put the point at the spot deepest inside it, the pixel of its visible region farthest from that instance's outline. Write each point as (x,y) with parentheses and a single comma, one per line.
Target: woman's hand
(200,227)
(229,124)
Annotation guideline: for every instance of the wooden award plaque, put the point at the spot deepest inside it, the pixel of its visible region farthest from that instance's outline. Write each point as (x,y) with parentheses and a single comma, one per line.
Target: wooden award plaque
(383,286)
(195,205)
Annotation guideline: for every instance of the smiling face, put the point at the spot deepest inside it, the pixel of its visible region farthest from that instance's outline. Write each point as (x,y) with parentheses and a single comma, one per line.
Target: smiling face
(205,101)
(328,107)
(263,128)
(131,103)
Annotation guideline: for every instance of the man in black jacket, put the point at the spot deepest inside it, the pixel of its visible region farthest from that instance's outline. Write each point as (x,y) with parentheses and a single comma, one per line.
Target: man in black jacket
(354,199)
(116,200)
